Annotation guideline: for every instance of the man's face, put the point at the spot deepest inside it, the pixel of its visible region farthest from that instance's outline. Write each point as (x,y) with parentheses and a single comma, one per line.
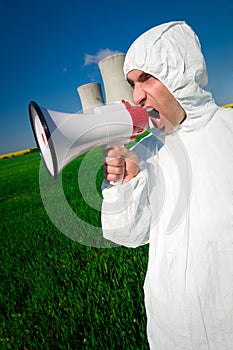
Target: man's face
(149,92)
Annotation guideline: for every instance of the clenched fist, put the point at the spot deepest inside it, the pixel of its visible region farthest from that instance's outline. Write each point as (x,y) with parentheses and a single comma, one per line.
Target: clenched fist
(120,164)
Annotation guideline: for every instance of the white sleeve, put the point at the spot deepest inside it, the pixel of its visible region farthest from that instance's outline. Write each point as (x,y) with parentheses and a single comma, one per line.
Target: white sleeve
(126,214)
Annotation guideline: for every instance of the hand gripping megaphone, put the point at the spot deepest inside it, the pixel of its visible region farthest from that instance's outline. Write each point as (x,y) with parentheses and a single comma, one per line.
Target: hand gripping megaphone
(62,137)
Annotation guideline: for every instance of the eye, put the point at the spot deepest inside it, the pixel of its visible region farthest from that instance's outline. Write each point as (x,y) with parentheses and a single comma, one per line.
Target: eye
(131,83)
(144,77)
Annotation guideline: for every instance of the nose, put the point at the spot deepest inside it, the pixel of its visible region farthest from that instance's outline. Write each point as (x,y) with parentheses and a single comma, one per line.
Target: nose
(139,94)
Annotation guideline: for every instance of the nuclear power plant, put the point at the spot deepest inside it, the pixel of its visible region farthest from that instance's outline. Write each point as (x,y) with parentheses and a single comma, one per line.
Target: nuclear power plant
(116,87)
(91,96)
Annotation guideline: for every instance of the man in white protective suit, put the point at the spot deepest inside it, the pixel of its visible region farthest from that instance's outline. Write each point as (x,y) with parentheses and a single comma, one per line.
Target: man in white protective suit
(177,193)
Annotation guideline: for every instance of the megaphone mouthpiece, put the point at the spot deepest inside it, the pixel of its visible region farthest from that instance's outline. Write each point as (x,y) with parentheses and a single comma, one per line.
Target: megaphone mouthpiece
(139,118)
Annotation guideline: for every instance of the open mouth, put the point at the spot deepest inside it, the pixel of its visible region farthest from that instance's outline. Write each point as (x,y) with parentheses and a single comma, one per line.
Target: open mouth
(155,117)
(153,113)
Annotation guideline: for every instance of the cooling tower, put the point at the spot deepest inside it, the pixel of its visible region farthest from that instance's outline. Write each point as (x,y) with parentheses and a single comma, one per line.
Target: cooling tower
(91,96)
(115,86)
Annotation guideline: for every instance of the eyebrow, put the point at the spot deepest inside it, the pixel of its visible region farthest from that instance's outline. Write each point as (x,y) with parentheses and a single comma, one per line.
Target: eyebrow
(141,78)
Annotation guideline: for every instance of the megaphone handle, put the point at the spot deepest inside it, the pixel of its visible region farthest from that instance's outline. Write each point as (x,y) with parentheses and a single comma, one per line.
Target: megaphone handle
(119,181)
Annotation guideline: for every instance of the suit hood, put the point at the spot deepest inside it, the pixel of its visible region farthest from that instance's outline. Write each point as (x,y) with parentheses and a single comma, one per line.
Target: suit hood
(171,52)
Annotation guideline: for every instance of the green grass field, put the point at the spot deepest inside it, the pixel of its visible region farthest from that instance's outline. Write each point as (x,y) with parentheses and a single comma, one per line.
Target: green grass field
(55,292)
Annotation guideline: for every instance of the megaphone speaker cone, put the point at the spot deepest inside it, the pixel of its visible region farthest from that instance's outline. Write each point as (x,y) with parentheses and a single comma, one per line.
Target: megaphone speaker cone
(43,138)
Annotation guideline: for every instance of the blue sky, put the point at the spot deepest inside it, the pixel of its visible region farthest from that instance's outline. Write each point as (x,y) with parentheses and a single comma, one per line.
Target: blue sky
(45,44)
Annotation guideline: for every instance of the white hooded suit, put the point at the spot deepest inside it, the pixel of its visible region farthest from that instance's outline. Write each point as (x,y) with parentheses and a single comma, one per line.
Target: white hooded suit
(181,202)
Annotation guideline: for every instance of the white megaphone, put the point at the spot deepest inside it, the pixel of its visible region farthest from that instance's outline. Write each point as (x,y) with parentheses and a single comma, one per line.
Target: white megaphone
(62,137)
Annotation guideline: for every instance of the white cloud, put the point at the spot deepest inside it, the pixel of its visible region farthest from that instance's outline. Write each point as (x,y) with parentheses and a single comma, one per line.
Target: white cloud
(102,53)
(91,77)
(64,69)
